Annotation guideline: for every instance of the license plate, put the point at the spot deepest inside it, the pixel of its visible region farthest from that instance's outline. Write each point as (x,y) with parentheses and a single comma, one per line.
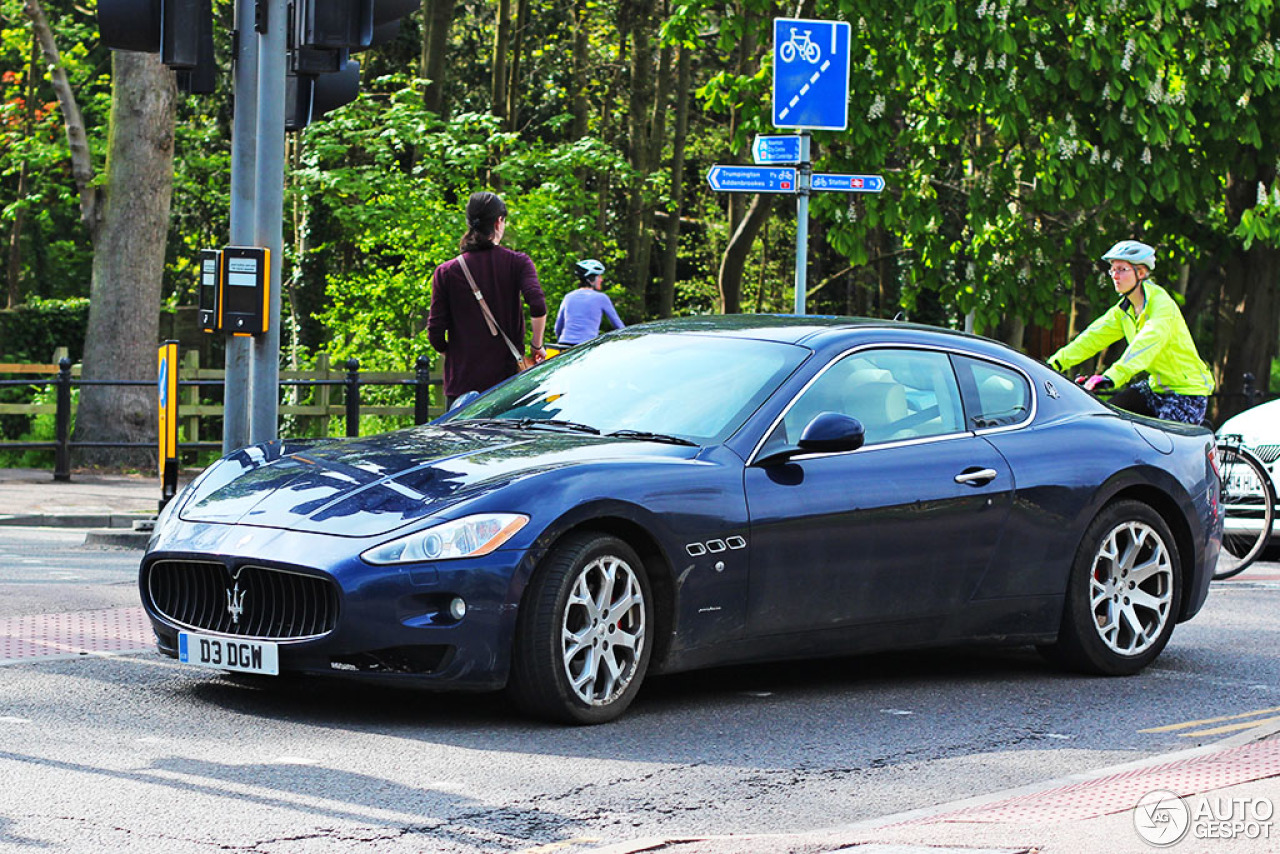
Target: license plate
(242,656)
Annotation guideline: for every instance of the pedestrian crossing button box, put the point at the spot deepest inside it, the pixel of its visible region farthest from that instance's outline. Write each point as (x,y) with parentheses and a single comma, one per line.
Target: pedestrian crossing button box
(244,290)
(207,289)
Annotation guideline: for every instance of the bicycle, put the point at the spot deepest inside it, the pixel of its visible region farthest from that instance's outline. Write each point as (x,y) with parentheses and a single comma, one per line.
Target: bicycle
(1247,499)
(1248,507)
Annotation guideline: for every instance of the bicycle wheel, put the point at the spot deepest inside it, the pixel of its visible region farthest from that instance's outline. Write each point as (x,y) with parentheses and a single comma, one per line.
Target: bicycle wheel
(1248,504)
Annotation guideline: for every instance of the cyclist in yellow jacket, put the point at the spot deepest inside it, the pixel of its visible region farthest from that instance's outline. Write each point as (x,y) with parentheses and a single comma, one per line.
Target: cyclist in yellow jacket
(1177,383)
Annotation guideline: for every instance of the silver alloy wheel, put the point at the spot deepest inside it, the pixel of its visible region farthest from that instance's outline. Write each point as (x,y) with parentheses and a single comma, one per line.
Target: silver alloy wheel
(602,635)
(1131,588)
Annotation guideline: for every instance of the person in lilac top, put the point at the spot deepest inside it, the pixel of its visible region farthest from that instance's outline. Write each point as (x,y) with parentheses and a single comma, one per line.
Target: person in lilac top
(582,310)
(475,358)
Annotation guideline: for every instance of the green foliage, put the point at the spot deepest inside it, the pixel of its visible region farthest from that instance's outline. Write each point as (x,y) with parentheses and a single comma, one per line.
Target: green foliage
(31,332)
(399,199)
(37,428)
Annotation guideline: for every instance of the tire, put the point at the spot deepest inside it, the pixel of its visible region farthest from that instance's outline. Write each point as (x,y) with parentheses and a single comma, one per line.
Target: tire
(1248,507)
(582,642)
(1123,593)
(787,53)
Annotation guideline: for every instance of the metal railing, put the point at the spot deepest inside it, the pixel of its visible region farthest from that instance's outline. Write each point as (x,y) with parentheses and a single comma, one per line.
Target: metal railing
(351,383)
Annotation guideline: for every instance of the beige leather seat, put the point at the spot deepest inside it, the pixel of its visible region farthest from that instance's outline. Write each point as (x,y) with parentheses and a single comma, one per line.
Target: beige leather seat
(877,401)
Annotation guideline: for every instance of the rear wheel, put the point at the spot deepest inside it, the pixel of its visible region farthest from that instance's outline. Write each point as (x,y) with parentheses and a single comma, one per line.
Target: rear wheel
(582,641)
(1248,507)
(1123,594)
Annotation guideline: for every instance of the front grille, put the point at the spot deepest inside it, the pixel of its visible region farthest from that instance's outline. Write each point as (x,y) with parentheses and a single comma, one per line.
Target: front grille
(1267,453)
(252,601)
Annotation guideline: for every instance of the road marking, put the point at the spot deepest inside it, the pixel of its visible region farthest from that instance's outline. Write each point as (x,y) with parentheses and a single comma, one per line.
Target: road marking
(1230,728)
(1216,730)
(560,846)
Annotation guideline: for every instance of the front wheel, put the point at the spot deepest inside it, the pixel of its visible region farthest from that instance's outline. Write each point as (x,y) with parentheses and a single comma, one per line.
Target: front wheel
(1123,594)
(1248,507)
(582,641)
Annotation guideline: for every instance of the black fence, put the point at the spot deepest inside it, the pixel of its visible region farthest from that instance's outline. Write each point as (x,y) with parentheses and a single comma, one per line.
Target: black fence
(62,445)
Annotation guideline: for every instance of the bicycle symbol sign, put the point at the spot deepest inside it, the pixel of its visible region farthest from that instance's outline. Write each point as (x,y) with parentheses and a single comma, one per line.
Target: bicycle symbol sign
(810,74)
(800,44)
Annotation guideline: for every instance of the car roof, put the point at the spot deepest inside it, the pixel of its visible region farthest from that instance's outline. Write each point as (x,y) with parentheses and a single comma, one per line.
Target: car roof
(807,329)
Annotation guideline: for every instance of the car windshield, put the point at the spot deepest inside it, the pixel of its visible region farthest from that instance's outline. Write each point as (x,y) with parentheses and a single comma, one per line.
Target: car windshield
(699,388)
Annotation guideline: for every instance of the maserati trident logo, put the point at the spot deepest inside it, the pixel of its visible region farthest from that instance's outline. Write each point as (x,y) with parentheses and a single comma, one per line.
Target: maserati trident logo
(235,603)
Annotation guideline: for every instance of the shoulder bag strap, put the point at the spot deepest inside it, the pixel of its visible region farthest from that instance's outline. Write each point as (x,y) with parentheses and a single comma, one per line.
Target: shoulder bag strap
(494,328)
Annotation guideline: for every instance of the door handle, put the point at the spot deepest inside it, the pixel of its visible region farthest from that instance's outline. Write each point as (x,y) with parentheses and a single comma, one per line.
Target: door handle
(977,477)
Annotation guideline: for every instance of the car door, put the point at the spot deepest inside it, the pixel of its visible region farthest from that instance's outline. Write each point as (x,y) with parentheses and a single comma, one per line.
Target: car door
(901,528)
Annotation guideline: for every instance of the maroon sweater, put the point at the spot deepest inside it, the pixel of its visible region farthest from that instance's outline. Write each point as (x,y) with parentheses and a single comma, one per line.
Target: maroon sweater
(474,359)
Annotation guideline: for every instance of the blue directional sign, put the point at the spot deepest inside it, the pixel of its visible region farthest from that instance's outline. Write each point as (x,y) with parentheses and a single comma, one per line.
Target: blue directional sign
(752,179)
(776,149)
(810,74)
(847,183)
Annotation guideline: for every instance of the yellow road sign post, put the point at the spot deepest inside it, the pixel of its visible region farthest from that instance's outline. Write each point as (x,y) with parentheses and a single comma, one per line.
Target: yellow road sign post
(167,398)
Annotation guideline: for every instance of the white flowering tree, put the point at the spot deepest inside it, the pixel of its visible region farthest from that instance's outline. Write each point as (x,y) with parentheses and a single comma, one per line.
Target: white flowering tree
(1021,138)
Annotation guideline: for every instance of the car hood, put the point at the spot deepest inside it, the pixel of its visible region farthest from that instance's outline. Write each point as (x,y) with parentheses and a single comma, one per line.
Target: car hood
(1256,426)
(366,487)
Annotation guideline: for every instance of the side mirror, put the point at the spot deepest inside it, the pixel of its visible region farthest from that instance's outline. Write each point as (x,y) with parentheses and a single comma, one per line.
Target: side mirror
(831,431)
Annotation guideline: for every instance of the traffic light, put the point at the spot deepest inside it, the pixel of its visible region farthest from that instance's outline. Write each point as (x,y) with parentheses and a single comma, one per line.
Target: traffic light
(181,31)
(323,34)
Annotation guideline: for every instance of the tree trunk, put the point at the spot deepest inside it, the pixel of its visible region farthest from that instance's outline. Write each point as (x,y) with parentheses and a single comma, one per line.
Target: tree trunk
(639,150)
(513,75)
(667,291)
(501,47)
(735,255)
(437,18)
(20,215)
(128,262)
(1248,325)
(77,139)
(579,70)
(1248,305)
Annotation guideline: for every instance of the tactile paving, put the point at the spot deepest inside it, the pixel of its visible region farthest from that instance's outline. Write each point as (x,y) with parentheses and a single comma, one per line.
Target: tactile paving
(1119,792)
(74,633)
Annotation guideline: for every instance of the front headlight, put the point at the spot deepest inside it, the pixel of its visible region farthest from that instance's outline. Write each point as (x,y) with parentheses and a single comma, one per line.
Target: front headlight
(470,536)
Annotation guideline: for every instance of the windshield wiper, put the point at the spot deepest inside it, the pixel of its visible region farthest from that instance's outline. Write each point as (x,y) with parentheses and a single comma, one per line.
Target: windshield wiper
(645,435)
(553,424)
(532,423)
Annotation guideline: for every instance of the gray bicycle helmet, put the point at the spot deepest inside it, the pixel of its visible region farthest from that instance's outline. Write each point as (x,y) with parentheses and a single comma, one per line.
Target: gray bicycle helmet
(1133,252)
(588,269)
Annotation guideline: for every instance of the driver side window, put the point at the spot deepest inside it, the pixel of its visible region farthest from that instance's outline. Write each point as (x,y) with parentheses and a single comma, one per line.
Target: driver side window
(895,394)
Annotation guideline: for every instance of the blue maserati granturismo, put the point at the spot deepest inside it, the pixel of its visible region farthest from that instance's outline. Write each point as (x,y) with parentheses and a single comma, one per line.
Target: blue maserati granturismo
(699,492)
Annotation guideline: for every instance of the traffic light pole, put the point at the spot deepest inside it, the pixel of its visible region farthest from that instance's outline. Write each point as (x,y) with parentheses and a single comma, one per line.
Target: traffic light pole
(269,213)
(244,131)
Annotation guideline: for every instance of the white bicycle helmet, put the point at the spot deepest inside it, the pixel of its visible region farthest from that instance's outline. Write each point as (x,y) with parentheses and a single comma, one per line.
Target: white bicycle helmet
(588,269)
(1133,252)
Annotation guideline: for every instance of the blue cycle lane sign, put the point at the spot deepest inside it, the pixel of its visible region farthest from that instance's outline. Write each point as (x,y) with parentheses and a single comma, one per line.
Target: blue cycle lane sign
(752,179)
(810,74)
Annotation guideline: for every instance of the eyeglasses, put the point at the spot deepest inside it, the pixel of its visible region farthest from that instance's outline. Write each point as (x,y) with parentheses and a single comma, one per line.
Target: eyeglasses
(1117,271)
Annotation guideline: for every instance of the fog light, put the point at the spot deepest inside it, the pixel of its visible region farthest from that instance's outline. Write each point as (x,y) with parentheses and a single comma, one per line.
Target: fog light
(457,608)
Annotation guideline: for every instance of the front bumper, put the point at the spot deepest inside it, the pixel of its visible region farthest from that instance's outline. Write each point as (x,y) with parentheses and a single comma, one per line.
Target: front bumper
(392,625)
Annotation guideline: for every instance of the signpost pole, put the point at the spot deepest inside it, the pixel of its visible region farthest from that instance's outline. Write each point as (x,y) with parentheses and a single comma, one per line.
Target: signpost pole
(802,222)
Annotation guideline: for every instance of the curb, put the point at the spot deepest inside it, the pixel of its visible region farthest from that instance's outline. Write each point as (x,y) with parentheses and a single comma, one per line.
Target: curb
(117,538)
(74,520)
(829,839)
